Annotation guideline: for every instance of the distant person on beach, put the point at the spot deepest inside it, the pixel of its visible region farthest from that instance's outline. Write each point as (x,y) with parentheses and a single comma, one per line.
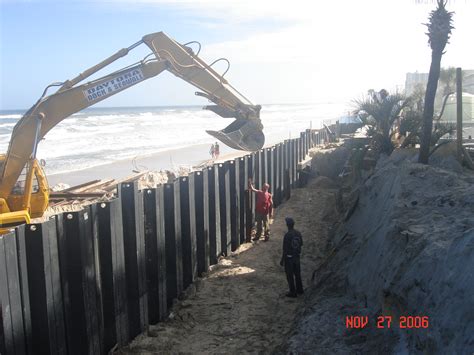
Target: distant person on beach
(263,210)
(292,243)
(216,150)
(212,152)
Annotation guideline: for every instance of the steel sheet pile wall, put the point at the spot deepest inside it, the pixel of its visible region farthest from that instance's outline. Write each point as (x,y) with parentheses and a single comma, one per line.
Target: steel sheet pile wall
(15,312)
(134,249)
(188,240)
(107,216)
(174,278)
(233,205)
(223,187)
(240,192)
(86,282)
(155,253)
(47,301)
(204,245)
(215,238)
(277,176)
(249,197)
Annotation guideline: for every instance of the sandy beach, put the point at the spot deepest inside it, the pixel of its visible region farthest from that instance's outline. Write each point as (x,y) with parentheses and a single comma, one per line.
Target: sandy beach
(191,156)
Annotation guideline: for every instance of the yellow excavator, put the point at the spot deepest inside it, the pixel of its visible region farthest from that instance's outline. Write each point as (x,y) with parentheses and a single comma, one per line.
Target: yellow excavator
(24,191)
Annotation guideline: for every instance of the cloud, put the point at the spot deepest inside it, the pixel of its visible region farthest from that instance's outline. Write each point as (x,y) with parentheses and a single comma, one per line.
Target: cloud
(365,42)
(232,10)
(303,50)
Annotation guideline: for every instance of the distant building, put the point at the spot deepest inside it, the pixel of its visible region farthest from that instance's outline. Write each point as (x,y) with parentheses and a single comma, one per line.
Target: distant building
(450,110)
(413,80)
(468,82)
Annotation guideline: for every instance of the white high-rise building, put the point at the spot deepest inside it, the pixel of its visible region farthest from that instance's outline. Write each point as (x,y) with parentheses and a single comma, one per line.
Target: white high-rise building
(413,80)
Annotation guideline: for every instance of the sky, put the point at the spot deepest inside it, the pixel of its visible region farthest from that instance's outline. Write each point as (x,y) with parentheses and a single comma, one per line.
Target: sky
(297,51)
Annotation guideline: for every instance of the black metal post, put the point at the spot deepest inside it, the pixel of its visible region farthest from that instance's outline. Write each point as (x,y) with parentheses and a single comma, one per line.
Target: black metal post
(48,330)
(209,223)
(188,238)
(249,198)
(262,168)
(135,259)
(241,185)
(108,231)
(459,113)
(200,239)
(276,175)
(257,181)
(13,339)
(155,250)
(224,207)
(269,169)
(79,276)
(210,206)
(233,204)
(287,169)
(173,272)
(217,252)
(291,160)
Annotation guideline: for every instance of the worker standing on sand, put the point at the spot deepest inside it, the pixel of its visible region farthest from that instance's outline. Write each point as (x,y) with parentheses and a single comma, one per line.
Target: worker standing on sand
(263,210)
(292,243)
(216,150)
(212,151)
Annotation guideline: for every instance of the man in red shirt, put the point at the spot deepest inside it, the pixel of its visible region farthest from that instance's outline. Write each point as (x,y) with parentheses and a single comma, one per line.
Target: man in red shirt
(263,210)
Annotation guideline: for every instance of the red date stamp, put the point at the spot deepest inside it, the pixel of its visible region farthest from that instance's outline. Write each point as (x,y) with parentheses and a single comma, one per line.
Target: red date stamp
(382,322)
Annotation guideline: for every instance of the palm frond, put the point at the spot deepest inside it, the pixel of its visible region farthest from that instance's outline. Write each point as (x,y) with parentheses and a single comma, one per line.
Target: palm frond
(378,111)
(439,27)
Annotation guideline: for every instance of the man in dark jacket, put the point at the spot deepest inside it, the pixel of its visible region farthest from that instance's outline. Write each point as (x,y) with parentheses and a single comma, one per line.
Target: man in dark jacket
(292,243)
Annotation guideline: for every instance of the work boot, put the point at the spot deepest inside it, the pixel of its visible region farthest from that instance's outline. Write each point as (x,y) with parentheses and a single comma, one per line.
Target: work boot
(292,295)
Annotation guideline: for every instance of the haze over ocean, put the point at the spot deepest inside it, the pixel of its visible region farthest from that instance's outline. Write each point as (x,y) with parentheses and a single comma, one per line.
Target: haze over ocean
(100,136)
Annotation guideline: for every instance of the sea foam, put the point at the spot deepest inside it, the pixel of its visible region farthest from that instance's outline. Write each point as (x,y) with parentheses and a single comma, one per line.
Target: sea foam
(103,135)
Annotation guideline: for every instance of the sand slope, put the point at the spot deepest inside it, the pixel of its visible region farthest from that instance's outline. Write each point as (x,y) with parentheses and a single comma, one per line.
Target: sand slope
(407,250)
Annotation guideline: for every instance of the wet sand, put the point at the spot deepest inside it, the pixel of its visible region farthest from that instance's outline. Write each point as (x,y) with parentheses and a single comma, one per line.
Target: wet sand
(168,160)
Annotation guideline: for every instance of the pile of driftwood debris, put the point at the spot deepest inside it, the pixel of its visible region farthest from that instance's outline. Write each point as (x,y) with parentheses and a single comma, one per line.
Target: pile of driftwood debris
(64,198)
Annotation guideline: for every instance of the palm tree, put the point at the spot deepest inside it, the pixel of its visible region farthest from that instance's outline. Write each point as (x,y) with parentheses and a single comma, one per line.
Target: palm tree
(439,31)
(411,122)
(379,111)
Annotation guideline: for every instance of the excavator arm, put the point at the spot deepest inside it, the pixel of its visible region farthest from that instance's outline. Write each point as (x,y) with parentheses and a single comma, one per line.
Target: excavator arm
(245,133)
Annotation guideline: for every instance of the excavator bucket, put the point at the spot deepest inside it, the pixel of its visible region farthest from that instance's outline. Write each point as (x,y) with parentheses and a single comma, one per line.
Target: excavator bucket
(241,135)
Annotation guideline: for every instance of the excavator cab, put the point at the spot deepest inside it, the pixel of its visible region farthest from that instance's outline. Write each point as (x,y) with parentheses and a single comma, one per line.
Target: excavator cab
(32,182)
(28,198)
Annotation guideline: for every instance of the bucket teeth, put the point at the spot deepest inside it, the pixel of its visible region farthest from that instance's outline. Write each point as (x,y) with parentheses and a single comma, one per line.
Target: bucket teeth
(241,135)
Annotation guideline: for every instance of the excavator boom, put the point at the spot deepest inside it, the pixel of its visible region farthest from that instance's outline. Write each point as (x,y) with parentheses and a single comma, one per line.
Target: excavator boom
(245,133)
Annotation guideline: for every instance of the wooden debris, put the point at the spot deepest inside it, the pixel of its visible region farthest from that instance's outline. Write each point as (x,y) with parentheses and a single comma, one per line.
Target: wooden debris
(73,188)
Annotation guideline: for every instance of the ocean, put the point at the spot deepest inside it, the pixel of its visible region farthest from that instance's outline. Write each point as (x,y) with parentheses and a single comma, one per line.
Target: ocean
(98,136)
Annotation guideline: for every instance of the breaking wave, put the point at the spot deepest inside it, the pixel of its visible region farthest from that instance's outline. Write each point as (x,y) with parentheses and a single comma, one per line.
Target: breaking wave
(104,135)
